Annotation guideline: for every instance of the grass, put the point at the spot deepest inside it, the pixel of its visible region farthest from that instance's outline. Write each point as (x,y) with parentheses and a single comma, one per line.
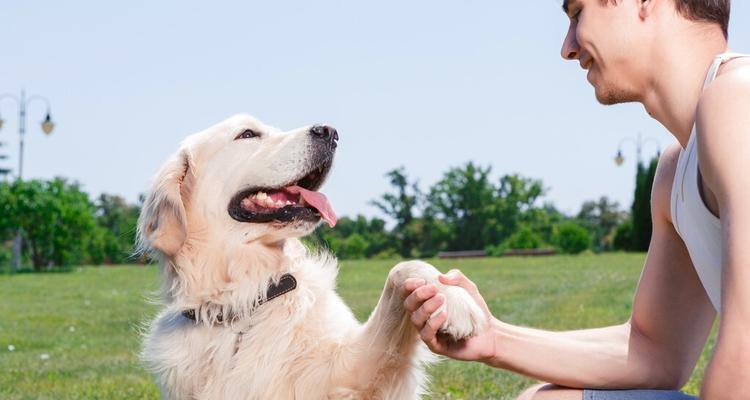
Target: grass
(75,335)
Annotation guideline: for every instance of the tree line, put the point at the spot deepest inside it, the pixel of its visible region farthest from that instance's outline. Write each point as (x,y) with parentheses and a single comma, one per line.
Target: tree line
(467,209)
(62,226)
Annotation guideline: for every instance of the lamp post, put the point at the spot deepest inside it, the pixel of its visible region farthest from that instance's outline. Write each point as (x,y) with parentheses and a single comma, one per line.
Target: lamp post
(3,171)
(47,126)
(639,142)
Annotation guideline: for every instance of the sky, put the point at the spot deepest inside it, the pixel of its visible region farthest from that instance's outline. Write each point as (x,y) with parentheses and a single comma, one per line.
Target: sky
(427,85)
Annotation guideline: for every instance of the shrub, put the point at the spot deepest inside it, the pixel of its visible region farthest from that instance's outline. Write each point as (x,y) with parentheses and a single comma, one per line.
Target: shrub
(387,254)
(572,238)
(624,236)
(5,257)
(354,247)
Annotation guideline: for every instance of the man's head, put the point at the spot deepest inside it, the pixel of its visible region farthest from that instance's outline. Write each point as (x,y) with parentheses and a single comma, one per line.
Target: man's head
(615,40)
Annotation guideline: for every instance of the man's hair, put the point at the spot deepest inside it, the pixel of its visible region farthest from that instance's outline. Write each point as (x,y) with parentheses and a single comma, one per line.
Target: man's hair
(713,11)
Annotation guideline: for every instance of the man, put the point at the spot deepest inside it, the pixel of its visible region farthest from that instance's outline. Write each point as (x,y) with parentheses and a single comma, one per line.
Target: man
(658,53)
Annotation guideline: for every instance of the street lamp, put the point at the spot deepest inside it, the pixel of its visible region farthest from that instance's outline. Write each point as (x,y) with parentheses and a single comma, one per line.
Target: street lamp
(639,142)
(47,126)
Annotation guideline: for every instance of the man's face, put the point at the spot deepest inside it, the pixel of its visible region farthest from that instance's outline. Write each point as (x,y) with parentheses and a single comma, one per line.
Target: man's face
(604,36)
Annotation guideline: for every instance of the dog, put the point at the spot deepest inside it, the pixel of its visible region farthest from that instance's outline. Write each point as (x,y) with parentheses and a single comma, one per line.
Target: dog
(248,311)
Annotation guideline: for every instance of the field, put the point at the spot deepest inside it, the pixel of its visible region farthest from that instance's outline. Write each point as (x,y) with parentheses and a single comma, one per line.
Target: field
(75,335)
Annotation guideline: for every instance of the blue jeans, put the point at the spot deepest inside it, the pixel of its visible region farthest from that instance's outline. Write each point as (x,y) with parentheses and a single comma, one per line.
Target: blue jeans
(635,395)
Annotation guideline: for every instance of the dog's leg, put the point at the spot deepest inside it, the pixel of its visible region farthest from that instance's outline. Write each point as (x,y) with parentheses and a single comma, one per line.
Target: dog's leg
(464,315)
(384,358)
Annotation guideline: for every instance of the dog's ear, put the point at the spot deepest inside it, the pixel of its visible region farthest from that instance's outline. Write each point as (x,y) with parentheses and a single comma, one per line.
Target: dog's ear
(162,225)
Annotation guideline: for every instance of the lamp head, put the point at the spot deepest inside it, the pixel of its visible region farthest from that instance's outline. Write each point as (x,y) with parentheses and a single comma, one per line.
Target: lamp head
(619,159)
(48,125)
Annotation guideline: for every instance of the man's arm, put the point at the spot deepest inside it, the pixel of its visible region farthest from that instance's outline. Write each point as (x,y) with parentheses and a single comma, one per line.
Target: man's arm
(657,348)
(724,151)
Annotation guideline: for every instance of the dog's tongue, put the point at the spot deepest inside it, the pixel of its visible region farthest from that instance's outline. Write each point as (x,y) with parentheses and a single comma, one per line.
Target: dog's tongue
(318,201)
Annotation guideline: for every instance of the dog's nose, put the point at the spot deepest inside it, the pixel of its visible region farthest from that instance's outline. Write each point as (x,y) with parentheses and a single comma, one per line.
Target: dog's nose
(325,132)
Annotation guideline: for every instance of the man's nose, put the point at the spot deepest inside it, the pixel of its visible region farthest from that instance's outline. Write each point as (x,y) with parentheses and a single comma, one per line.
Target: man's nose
(570,48)
(325,132)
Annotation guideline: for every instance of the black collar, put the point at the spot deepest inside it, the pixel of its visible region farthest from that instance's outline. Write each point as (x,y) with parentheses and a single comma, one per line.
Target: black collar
(286,284)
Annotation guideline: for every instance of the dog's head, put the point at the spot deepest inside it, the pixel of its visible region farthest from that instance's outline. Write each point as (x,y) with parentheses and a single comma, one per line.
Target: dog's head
(240,181)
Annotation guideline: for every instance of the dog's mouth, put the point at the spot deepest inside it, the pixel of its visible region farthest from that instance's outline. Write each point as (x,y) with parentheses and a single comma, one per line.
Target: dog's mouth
(297,201)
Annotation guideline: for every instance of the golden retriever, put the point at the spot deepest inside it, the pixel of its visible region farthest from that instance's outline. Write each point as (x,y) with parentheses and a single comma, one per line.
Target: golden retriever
(251,313)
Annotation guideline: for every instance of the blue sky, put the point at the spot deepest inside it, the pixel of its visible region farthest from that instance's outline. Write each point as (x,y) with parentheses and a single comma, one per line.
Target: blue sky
(424,84)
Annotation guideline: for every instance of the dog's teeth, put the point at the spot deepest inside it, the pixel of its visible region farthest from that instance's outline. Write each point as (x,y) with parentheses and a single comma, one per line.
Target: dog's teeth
(302,201)
(261,196)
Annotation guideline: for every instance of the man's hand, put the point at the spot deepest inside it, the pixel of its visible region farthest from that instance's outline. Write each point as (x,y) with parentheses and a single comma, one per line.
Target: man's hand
(422,300)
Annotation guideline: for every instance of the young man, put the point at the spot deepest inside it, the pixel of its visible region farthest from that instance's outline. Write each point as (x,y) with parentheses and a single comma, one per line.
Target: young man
(658,53)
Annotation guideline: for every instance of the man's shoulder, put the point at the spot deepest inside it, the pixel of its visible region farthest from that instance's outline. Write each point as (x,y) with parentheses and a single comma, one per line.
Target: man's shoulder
(729,88)
(723,124)
(661,192)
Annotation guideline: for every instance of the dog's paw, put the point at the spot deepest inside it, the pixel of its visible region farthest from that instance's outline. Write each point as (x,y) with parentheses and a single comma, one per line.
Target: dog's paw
(465,317)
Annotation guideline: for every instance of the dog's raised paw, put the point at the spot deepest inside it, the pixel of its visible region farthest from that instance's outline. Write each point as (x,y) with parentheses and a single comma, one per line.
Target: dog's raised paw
(465,317)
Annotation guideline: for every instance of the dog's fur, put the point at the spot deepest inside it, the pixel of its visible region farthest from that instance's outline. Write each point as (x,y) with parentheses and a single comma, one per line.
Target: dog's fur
(305,344)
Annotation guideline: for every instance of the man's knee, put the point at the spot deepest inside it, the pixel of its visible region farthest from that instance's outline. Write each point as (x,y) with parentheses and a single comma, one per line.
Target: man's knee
(547,391)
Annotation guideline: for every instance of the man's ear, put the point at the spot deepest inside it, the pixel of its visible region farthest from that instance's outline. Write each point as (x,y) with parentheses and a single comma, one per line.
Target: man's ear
(646,8)
(162,225)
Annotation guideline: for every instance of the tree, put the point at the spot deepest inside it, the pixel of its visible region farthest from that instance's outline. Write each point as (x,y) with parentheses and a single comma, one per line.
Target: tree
(117,221)
(55,217)
(514,205)
(463,199)
(641,209)
(431,232)
(479,214)
(7,226)
(601,218)
(623,239)
(401,207)
(543,220)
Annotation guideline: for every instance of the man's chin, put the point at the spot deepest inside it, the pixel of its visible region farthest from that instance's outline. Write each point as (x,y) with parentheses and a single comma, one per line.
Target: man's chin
(609,96)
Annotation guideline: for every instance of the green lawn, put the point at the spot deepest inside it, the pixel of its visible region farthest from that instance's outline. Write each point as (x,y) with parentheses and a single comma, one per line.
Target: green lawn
(76,335)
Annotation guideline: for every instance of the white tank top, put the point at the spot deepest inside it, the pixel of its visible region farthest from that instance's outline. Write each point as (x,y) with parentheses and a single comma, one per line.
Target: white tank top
(698,227)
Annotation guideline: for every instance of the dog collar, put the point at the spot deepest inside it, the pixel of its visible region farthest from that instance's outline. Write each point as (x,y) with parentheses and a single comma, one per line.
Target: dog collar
(286,284)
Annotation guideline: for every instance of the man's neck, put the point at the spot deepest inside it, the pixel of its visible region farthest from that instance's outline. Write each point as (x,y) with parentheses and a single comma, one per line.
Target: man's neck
(679,70)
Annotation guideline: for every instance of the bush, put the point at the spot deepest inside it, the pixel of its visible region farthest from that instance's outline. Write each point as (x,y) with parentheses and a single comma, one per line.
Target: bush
(523,238)
(624,236)
(355,247)
(387,254)
(572,238)
(6,254)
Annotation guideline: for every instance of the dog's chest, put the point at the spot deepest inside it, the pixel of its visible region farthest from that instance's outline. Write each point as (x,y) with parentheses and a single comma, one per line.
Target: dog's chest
(293,350)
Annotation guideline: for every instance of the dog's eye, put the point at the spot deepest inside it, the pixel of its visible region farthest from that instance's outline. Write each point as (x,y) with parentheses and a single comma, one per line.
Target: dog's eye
(247,134)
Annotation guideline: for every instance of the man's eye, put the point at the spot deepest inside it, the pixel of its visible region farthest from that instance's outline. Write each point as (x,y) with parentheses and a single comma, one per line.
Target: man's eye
(247,134)
(576,15)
